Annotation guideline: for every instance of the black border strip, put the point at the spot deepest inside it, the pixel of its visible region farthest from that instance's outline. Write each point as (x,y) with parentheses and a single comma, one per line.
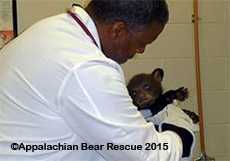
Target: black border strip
(15,18)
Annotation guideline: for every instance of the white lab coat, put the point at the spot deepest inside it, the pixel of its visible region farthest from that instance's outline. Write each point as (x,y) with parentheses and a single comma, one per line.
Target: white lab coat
(56,86)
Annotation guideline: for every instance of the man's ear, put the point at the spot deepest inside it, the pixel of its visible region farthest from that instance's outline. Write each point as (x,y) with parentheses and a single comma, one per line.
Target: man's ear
(158,74)
(119,30)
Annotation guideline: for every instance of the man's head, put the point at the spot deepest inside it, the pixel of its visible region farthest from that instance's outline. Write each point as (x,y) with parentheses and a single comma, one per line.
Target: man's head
(126,26)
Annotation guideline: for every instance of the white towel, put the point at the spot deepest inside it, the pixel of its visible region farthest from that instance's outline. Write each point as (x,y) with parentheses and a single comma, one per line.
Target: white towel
(173,114)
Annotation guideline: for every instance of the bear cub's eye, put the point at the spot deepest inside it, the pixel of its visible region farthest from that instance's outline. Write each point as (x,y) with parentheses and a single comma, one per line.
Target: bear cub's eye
(146,87)
(133,93)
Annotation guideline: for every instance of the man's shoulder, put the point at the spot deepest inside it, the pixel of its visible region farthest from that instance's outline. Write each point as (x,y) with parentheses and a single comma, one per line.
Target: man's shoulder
(98,63)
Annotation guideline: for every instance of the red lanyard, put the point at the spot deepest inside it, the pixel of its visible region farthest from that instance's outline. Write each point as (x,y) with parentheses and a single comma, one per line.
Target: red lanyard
(83,26)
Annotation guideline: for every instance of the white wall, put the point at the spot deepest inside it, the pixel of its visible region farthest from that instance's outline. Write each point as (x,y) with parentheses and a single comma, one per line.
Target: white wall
(30,11)
(215,76)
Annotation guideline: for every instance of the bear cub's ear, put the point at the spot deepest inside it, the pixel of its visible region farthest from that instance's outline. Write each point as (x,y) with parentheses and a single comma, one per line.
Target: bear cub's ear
(158,74)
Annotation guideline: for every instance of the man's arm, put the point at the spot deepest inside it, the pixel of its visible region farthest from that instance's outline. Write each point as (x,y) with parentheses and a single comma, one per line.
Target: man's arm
(95,103)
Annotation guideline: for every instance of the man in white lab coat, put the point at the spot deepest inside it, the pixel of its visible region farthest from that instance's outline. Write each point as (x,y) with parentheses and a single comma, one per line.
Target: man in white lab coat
(62,91)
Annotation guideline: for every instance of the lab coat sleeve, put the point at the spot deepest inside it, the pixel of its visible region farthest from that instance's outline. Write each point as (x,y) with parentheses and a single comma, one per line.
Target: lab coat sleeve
(94,102)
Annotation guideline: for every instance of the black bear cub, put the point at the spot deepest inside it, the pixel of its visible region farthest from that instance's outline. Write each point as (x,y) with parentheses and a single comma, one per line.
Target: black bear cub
(147,93)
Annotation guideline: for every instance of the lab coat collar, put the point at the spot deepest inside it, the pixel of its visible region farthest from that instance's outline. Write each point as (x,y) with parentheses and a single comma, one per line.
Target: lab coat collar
(88,21)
